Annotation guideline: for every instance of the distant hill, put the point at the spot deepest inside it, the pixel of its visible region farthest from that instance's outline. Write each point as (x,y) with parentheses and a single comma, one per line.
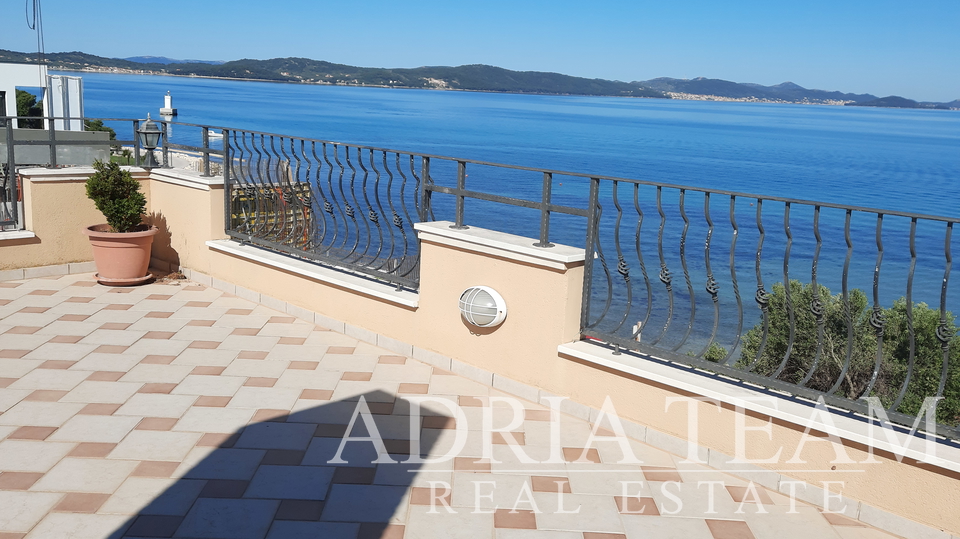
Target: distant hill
(897,102)
(167,61)
(475,77)
(786,91)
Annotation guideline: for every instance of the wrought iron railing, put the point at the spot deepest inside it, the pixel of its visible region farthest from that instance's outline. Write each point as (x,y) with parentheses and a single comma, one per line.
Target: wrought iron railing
(818,300)
(822,301)
(9,200)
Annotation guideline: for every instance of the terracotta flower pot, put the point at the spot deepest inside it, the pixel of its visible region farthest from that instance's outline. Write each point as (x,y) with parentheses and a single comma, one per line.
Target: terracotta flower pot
(122,258)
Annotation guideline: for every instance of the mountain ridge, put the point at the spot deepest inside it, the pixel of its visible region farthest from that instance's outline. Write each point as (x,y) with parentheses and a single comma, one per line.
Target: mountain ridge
(473,77)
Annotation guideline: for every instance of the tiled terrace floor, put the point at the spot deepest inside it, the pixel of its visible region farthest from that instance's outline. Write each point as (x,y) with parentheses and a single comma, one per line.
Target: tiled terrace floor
(177,410)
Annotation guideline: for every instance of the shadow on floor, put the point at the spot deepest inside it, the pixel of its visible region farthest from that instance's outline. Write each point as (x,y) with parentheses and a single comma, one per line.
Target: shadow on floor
(272,479)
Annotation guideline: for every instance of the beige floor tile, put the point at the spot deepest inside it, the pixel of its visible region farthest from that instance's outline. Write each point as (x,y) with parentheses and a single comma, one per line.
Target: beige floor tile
(694,500)
(661,527)
(22,510)
(51,379)
(10,341)
(244,342)
(106,392)
(455,385)
(155,445)
(421,524)
(85,475)
(779,524)
(607,479)
(297,353)
(417,373)
(256,368)
(158,347)
(195,357)
(199,333)
(862,533)
(507,533)
(31,456)
(174,323)
(148,373)
(594,513)
(234,321)
(69,352)
(297,329)
(489,491)
(372,391)
(15,368)
(264,397)
(40,414)
(95,428)
(156,405)
(134,494)
(204,419)
(76,526)
(349,362)
(317,379)
(329,338)
(10,397)
(106,336)
(215,386)
(108,362)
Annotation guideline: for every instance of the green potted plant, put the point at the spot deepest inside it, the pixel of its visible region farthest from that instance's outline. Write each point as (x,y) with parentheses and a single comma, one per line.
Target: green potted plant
(121,246)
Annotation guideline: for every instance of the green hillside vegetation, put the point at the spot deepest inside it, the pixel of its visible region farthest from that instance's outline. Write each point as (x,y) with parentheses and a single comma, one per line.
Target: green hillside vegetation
(897,102)
(895,353)
(468,77)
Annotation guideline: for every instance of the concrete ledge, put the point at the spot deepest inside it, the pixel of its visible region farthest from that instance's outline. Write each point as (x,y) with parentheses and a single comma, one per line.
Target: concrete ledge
(70,174)
(776,405)
(317,273)
(17,235)
(186,178)
(47,271)
(500,244)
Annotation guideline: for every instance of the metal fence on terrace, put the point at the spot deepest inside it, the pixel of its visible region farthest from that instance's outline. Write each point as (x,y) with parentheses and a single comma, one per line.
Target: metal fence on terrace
(815,300)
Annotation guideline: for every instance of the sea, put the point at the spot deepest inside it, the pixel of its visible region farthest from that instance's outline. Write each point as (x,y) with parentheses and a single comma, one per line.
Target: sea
(892,159)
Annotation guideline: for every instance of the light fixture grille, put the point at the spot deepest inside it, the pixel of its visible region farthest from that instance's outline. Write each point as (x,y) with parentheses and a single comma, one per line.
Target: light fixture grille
(482,306)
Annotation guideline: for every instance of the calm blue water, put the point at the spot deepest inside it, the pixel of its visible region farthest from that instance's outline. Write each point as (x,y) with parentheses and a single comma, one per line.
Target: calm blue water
(904,160)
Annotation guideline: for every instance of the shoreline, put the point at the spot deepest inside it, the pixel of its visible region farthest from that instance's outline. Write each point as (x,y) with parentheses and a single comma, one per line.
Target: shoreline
(667,95)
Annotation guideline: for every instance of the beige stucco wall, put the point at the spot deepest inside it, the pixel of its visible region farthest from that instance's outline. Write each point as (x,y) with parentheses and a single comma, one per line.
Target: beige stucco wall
(56,208)
(187,214)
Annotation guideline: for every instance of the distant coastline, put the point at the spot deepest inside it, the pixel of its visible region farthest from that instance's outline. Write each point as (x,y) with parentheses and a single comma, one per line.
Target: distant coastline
(472,78)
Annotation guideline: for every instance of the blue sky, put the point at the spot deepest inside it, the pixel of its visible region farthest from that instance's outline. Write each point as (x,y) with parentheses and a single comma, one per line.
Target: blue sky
(881,47)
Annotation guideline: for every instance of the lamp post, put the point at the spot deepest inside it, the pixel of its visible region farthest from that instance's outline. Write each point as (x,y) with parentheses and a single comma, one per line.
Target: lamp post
(149,135)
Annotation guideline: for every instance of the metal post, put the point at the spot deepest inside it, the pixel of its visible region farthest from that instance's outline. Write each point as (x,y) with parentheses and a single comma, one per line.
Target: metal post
(425,192)
(136,142)
(12,172)
(591,240)
(52,138)
(545,212)
(227,161)
(166,153)
(206,151)
(461,185)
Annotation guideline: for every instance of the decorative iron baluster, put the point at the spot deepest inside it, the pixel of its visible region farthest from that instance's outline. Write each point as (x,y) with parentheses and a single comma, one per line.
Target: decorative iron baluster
(711,287)
(848,312)
(374,216)
(643,267)
(665,276)
(913,334)
(817,307)
(336,203)
(403,205)
(322,210)
(622,268)
(686,272)
(351,210)
(606,272)
(397,220)
(761,297)
(733,276)
(943,331)
(877,320)
(788,296)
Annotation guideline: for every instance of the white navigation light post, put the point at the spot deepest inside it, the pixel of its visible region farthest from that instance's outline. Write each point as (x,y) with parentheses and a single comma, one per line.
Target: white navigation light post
(149,136)
(482,306)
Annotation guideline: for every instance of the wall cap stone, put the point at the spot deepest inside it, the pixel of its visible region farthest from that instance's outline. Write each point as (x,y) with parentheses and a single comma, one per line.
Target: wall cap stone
(500,244)
(848,426)
(318,273)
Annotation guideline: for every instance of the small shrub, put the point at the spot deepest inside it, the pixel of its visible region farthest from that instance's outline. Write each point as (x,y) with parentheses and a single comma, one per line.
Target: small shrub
(117,195)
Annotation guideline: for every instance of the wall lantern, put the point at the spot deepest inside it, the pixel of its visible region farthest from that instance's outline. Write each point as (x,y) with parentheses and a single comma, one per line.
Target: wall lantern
(149,136)
(482,306)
